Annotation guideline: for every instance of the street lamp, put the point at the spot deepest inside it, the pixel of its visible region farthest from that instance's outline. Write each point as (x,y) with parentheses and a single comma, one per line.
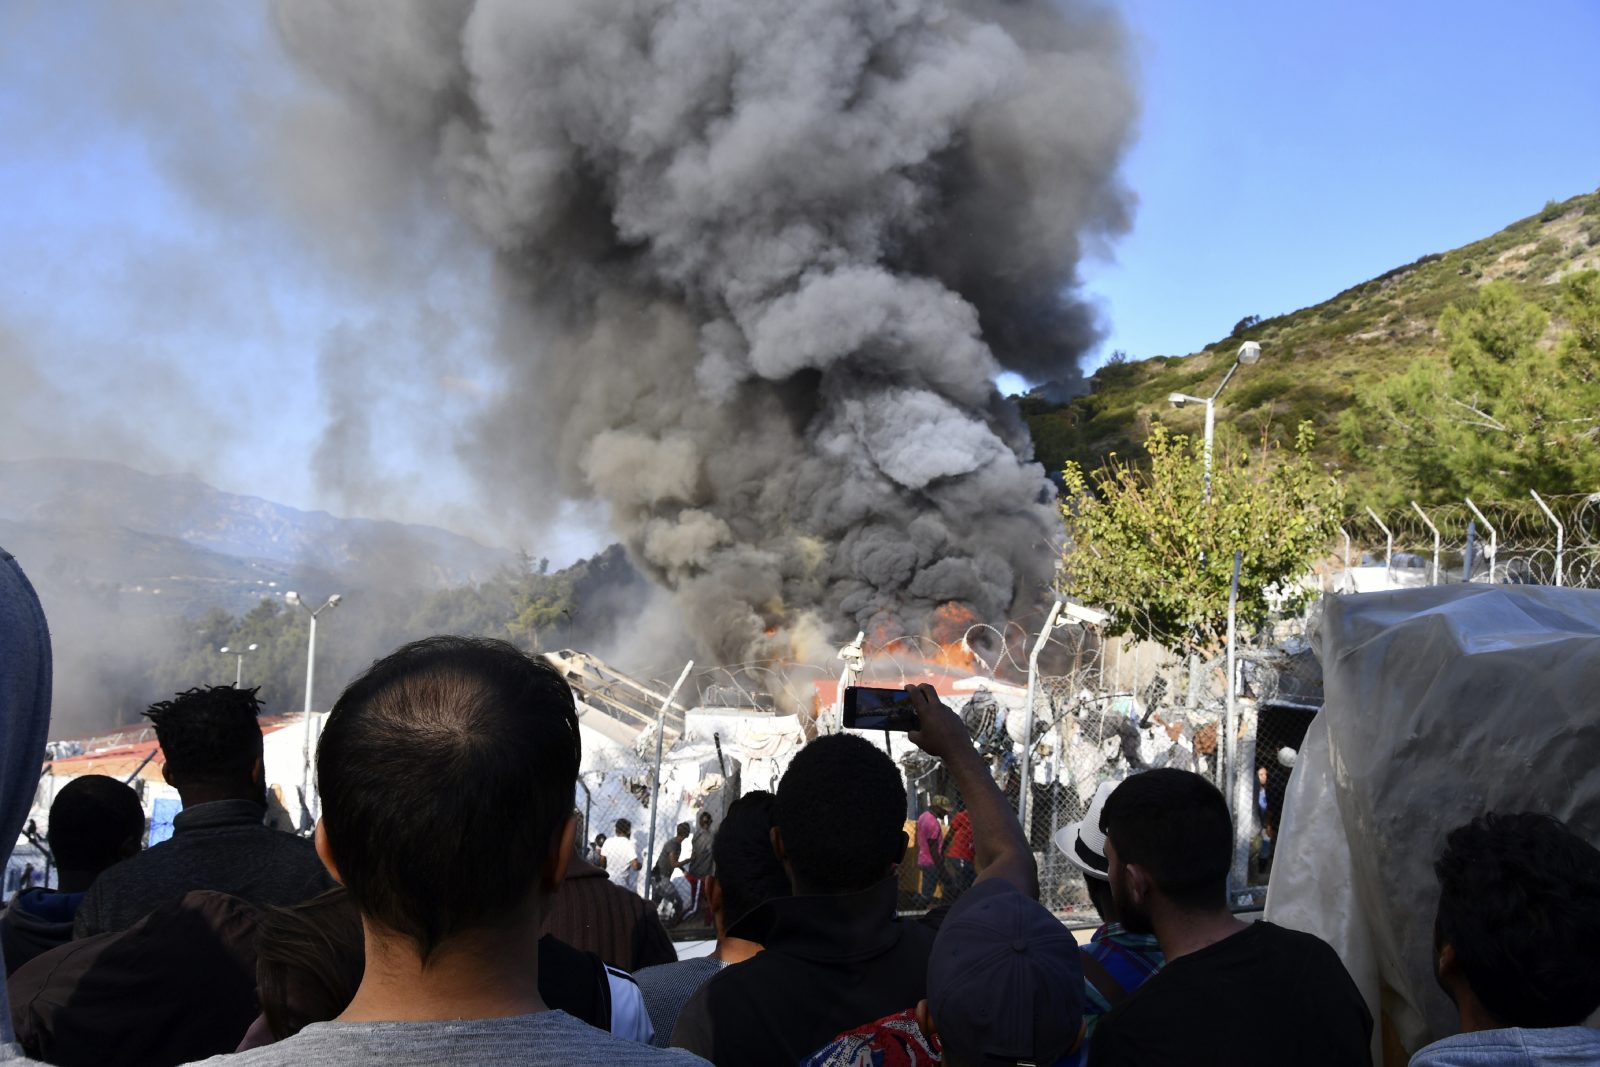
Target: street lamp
(292,598)
(238,673)
(1249,353)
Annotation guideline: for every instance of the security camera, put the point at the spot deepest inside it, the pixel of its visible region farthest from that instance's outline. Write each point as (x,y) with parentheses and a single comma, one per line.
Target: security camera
(1084,614)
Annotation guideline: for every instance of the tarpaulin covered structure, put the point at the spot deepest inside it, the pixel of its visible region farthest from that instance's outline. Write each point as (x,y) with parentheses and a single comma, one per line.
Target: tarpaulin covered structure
(1442,703)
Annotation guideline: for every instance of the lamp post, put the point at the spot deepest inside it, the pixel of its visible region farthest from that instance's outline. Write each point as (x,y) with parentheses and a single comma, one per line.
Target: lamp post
(1249,353)
(238,673)
(292,598)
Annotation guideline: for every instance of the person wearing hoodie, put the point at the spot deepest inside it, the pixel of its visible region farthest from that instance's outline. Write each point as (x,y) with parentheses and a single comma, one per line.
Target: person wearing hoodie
(1516,938)
(24,719)
(95,821)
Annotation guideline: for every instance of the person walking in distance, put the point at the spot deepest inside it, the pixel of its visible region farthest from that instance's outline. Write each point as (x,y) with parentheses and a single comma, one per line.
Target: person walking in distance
(959,856)
(700,862)
(930,848)
(622,858)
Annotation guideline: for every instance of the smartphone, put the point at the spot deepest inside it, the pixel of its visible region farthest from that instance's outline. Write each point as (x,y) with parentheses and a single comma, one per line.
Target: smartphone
(878,709)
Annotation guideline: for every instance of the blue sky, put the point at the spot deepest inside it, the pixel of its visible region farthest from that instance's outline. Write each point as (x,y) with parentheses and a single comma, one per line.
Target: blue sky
(1289,150)
(155,307)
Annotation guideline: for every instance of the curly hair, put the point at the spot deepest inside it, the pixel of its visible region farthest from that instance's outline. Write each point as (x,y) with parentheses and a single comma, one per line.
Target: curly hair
(209,733)
(841,808)
(1519,902)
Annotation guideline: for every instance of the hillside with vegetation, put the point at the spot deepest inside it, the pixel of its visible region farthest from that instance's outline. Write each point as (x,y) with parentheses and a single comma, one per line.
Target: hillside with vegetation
(1475,370)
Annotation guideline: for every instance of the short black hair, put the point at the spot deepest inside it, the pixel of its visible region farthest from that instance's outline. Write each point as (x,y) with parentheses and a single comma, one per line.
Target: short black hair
(684,829)
(705,817)
(447,770)
(209,734)
(841,808)
(623,827)
(1519,901)
(746,867)
(1175,825)
(91,820)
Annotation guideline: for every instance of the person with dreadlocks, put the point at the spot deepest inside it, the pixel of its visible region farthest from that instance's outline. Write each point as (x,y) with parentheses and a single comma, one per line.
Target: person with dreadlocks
(211,744)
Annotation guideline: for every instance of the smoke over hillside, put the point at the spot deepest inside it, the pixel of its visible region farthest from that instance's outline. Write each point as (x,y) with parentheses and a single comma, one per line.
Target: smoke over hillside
(758,262)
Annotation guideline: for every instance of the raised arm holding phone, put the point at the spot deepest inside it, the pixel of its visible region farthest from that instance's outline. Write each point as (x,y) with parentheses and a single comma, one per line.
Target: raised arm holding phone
(1002,851)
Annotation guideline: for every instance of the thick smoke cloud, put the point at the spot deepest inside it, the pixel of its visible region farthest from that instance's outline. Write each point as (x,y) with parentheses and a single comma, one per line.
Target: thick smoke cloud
(758,264)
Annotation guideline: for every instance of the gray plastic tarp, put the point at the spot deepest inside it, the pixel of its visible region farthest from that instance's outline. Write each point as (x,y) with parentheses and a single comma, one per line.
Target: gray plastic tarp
(1442,703)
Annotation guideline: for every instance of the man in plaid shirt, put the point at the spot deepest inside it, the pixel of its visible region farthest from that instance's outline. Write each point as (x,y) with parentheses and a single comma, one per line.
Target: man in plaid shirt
(1115,961)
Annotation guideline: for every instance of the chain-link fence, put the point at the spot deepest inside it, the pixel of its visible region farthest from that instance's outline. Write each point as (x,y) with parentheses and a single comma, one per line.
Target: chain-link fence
(1553,540)
(1105,709)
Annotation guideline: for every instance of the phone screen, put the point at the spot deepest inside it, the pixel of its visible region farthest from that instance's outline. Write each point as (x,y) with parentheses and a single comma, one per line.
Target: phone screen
(878,709)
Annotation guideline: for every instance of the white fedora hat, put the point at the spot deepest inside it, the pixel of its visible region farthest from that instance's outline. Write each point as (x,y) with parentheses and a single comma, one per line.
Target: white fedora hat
(1084,843)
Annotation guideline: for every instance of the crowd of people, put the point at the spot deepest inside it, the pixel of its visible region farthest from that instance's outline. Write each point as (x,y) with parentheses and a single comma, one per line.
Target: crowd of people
(448,911)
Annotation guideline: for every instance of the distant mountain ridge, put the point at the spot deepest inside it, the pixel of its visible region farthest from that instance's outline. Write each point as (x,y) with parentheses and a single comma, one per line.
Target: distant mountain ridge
(177,545)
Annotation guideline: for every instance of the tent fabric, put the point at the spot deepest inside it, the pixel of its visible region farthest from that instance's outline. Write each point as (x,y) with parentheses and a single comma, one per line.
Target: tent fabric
(25,668)
(1442,703)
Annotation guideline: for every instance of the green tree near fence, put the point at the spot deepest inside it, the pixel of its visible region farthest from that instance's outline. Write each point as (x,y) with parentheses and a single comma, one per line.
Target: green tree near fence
(1510,406)
(1145,544)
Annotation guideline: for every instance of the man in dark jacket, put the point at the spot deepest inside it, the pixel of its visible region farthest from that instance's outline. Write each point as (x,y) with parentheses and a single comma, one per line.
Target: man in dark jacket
(211,742)
(593,913)
(95,821)
(834,954)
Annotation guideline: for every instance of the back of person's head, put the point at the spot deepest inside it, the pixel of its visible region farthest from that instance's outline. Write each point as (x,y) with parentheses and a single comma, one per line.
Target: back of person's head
(841,811)
(747,869)
(1101,897)
(309,959)
(1519,909)
(624,828)
(1174,824)
(94,822)
(209,736)
(447,772)
(1005,981)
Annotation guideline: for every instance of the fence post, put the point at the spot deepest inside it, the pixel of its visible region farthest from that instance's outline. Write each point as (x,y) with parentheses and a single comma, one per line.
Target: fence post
(1560,530)
(1388,550)
(1349,582)
(1429,523)
(1230,717)
(1025,790)
(1466,559)
(1493,538)
(655,781)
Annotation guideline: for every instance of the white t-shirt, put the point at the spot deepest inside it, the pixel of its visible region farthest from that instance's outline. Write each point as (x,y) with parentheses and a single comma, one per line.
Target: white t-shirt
(620,856)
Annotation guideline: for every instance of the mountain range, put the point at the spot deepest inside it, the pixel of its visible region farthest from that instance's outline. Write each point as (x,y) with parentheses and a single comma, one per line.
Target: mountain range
(173,544)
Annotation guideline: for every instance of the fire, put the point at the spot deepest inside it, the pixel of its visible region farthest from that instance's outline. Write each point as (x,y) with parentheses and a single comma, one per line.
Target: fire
(947,629)
(950,622)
